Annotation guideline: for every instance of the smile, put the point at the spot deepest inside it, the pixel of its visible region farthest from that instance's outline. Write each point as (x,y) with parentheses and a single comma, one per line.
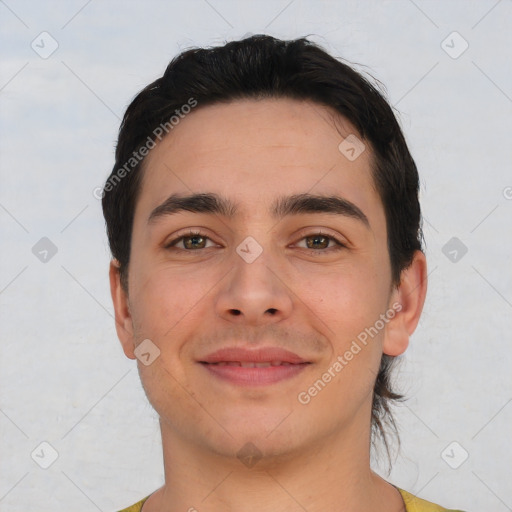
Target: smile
(251,373)
(252,364)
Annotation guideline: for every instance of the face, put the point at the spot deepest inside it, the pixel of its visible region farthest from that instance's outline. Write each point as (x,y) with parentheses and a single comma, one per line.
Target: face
(256,269)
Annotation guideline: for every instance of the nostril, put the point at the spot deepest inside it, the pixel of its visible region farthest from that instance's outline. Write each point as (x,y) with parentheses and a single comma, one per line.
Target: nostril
(272,311)
(236,312)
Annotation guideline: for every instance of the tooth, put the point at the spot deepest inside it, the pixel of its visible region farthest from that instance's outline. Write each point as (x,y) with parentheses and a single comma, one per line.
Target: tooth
(252,364)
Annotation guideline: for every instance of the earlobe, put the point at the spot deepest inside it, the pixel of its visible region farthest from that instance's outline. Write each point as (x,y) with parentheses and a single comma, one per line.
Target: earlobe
(410,294)
(124,325)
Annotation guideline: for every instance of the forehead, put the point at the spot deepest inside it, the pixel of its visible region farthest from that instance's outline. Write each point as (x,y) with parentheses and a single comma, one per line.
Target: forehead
(277,125)
(254,150)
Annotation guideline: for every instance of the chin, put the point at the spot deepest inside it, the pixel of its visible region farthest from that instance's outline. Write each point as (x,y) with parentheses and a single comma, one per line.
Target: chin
(255,450)
(269,437)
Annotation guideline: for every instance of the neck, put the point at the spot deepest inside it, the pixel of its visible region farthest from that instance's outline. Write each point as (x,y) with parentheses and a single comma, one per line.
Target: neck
(331,474)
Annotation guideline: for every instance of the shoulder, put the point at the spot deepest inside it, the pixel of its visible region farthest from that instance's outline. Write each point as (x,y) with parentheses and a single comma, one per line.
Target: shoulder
(137,507)
(415,504)
(412,504)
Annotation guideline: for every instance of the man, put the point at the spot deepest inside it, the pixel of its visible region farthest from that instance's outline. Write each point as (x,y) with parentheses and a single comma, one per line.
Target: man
(267,268)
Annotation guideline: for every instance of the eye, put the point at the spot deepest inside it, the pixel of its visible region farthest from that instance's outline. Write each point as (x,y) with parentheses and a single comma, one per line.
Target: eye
(320,242)
(193,240)
(315,242)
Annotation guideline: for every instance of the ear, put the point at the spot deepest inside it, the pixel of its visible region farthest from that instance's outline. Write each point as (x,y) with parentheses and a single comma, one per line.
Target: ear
(408,298)
(124,325)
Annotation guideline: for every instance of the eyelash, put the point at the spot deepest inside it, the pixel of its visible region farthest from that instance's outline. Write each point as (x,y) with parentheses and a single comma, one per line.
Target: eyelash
(339,245)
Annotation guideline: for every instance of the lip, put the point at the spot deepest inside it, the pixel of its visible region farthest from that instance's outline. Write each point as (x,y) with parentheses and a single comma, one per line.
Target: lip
(283,365)
(259,355)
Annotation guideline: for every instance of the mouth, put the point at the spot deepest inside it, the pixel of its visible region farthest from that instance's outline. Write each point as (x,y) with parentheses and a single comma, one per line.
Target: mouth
(256,367)
(251,373)
(252,364)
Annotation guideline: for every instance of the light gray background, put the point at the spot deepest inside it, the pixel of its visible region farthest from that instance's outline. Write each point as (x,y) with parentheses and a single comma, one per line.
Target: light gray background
(64,378)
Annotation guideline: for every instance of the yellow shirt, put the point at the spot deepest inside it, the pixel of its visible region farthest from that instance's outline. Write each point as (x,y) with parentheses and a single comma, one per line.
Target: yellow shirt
(412,504)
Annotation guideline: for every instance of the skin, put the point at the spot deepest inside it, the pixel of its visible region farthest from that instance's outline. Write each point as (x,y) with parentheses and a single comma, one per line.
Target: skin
(313,302)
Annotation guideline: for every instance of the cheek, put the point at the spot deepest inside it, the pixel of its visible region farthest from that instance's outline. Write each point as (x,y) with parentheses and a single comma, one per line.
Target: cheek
(348,303)
(165,299)
(346,300)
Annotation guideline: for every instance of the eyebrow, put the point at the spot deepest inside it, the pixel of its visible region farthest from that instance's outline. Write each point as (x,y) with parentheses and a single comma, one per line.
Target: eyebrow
(213,204)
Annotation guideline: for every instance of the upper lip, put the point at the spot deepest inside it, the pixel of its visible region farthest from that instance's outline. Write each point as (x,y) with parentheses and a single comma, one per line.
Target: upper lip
(260,355)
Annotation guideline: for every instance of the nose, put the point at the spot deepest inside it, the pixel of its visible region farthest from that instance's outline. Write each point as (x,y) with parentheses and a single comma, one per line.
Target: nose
(255,293)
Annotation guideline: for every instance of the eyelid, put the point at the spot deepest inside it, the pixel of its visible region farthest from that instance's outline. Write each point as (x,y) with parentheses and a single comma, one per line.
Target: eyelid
(312,231)
(189,232)
(303,233)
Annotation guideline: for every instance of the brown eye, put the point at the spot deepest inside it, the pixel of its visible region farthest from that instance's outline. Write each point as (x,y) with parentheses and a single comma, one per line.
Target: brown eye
(190,242)
(194,242)
(317,242)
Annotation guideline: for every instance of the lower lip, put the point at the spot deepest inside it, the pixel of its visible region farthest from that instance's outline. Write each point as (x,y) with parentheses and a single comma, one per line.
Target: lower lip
(244,376)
